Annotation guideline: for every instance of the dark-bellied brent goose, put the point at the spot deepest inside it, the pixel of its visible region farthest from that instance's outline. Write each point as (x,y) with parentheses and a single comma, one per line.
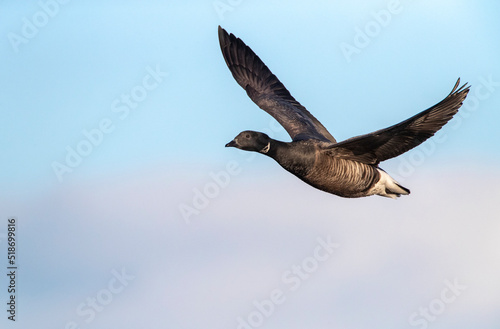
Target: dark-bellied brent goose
(348,168)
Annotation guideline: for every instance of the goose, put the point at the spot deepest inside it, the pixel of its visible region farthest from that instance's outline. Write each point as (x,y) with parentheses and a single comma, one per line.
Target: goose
(349,168)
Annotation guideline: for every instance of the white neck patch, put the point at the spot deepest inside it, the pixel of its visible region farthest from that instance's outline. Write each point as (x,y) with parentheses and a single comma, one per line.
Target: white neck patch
(266,149)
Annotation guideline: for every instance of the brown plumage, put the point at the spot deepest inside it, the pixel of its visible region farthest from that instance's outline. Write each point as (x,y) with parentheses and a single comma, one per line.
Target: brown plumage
(348,168)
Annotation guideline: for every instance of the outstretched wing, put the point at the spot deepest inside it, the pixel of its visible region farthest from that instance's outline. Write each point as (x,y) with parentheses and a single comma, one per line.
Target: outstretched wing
(395,140)
(264,88)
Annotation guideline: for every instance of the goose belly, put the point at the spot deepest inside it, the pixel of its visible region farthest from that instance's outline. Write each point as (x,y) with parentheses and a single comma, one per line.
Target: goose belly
(345,178)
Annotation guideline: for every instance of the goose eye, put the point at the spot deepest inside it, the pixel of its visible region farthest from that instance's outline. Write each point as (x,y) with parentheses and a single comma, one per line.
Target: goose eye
(247,135)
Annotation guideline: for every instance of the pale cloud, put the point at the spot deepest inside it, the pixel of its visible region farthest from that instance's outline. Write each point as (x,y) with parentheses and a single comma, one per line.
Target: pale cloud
(393,256)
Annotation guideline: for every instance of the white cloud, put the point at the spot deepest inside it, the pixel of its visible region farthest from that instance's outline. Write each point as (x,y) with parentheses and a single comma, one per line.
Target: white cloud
(393,257)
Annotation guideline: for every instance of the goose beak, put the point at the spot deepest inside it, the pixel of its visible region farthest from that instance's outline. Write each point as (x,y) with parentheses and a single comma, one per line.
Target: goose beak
(231,144)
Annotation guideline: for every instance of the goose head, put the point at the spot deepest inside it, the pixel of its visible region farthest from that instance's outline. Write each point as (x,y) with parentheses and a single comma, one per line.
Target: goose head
(251,141)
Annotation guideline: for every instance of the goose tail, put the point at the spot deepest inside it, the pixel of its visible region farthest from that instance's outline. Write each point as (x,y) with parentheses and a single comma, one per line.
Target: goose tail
(388,187)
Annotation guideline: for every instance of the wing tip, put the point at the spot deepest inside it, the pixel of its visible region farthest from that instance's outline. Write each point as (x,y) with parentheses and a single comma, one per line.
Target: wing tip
(465,88)
(223,36)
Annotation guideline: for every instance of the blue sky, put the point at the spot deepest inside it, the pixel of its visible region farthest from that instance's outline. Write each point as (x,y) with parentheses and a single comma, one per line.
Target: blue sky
(147,82)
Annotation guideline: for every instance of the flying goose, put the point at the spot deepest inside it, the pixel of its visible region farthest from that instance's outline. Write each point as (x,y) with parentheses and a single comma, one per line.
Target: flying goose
(348,168)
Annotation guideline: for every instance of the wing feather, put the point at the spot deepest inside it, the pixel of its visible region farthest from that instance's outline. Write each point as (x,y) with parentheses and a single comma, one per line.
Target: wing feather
(395,140)
(265,90)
